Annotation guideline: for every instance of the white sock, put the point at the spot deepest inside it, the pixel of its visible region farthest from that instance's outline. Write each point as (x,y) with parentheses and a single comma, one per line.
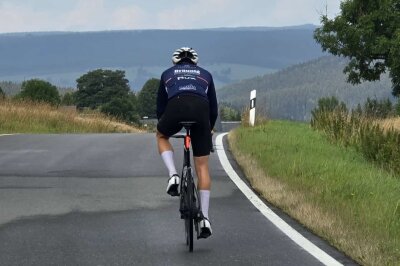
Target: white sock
(168,158)
(205,201)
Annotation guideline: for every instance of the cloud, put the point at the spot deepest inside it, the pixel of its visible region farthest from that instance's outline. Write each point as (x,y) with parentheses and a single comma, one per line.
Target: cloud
(86,15)
(288,12)
(130,17)
(197,14)
(15,17)
(83,15)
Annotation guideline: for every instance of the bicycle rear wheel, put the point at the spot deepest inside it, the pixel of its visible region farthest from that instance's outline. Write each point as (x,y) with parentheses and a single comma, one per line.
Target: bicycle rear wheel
(184,209)
(190,218)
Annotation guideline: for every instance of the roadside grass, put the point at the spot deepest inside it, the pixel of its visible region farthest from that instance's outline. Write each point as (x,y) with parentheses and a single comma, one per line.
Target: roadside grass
(332,190)
(390,123)
(28,117)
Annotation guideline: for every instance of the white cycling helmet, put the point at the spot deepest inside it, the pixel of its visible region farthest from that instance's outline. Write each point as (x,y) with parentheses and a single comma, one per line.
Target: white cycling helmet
(185,52)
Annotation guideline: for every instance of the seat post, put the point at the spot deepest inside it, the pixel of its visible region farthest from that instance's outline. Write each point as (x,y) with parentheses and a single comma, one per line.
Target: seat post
(187,130)
(187,125)
(187,148)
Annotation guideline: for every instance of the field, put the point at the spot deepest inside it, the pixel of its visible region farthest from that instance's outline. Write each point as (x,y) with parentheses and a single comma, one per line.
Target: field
(28,117)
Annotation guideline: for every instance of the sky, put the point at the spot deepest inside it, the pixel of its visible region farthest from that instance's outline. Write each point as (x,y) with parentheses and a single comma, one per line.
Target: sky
(96,15)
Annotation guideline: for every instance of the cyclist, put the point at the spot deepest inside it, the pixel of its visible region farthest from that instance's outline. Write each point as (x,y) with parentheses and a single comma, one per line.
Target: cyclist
(187,93)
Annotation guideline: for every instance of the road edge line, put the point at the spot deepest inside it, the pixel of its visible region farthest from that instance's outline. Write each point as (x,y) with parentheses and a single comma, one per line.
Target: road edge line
(295,236)
(6,135)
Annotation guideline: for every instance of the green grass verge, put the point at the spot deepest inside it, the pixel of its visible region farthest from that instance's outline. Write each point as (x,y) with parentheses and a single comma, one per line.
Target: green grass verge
(337,182)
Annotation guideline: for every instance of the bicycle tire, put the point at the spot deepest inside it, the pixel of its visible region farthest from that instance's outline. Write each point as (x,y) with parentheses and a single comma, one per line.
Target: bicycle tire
(187,231)
(185,214)
(190,218)
(185,207)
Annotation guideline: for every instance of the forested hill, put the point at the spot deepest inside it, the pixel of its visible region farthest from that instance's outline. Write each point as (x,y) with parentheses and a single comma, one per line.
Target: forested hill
(51,55)
(293,92)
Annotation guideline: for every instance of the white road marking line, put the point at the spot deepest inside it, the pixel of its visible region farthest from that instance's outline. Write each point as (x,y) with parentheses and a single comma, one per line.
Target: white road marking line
(6,134)
(268,213)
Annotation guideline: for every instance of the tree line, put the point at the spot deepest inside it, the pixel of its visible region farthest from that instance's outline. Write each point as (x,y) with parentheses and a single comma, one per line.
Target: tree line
(293,92)
(107,91)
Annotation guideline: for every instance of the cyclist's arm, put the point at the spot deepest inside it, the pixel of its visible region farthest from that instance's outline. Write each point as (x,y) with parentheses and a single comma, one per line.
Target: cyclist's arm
(212,98)
(162,99)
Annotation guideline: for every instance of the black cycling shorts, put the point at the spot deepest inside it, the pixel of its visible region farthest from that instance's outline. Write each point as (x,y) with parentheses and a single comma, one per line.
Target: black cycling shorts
(188,108)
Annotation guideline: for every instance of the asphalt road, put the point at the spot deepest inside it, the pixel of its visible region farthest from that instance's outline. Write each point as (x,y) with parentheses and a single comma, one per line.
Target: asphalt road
(100,199)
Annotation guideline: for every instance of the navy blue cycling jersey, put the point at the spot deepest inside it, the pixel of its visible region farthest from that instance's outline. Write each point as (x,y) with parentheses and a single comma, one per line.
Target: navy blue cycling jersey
(187,78)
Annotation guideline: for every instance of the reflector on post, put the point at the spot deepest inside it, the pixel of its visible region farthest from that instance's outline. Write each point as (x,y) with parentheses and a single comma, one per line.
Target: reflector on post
(252,108)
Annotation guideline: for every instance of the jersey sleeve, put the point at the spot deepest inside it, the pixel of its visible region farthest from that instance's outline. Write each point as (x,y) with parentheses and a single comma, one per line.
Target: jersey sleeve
(162,98)
(212,98)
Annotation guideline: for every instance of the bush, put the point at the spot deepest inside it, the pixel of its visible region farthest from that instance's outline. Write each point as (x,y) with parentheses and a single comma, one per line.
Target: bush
(147,98)
(37,90)
(397,107)
(228,113)
(331,117)
(381,146)
(378,109)
(68,99)
(260,119)
(360,130)
(2,94)
(121,108)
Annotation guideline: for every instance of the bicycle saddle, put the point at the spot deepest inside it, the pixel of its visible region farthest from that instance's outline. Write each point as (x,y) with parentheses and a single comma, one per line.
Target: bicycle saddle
(187,123)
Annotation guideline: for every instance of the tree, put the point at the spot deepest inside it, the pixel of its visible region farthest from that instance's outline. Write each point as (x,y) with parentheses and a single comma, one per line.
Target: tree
(228,113)
(39,91)
(397,108)
(121,108)
(99,87)
(147,98)
(2,94)
(368,32)
(68,98)
(10,88)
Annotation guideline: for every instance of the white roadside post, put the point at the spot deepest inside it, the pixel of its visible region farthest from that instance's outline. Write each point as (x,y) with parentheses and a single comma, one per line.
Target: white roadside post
(252,107)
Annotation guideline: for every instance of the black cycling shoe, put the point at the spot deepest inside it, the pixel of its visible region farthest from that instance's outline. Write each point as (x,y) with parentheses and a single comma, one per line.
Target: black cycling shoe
(173,184)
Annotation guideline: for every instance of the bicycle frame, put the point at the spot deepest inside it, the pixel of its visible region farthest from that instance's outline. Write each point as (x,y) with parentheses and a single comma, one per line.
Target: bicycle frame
(190,205)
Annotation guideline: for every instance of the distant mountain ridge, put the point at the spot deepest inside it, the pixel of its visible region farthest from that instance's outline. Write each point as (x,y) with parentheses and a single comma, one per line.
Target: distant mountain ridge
(293,92)
(260,28)
(46,54)
(246,28)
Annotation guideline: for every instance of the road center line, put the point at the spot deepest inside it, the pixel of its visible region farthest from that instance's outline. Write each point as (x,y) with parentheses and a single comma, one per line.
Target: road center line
(268,213)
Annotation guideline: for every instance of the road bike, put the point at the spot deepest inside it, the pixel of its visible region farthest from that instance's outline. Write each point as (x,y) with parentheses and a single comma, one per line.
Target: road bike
(190,205)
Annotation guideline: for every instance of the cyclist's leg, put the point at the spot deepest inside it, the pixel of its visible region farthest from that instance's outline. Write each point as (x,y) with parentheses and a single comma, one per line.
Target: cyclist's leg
(201,137)
(204,185)
(201,140)
(201,152)
(204,182)
(167,126)
(202,171)
(167,153)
